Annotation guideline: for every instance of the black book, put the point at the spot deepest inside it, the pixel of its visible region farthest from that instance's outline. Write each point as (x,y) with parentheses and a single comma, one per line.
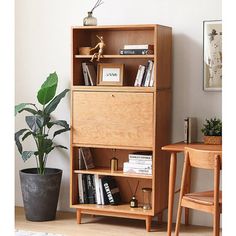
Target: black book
(91,189)
(85,190)
(145,74)
(81,160)
(111,190)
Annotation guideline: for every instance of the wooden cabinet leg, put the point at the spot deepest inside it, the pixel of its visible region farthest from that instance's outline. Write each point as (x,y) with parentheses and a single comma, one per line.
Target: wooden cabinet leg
(148,223)
(159,218)
(78,213)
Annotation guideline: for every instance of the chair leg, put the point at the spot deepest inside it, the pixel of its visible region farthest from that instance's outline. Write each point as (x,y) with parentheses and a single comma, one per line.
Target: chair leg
(216,224)
(186,216)
(178,219)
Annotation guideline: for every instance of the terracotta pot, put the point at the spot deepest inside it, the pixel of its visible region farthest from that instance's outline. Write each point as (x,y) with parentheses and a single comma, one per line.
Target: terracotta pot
(212,139)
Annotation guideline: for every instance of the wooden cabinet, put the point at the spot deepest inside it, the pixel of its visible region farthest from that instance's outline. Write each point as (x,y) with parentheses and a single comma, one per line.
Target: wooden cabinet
(125,118)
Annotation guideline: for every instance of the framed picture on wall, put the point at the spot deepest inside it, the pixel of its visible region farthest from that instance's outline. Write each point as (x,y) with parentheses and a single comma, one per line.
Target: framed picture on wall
(110,74)
(212,54)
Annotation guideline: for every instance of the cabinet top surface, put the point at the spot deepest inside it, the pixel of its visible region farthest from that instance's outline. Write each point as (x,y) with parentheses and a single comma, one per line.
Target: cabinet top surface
(120,27)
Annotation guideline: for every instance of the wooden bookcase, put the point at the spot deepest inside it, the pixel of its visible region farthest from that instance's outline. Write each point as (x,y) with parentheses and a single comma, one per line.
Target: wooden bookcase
(127,118)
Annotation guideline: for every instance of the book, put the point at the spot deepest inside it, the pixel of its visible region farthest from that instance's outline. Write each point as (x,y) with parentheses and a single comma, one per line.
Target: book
(138,171)
(137,76)
(111,190)
(142,162)
(87,157)
(139,46)
(91,73)
(135,51)
(97,189)
(190,130)
(91,189)
(101,190)
(85,73)
(129,165)
(140,156)
(81,165)
(145,73)
(85,190)
(148,75)
(186,130)
(140,77)
(80,188)
(151,83)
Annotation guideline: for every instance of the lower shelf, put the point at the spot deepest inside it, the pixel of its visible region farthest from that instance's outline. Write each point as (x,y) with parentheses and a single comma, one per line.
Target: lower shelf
(119,209)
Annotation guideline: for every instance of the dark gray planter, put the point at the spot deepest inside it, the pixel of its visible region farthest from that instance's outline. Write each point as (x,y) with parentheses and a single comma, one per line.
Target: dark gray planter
(40,193)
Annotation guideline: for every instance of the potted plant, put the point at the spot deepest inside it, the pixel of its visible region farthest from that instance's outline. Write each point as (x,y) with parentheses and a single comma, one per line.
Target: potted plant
(212,131)
(41,185)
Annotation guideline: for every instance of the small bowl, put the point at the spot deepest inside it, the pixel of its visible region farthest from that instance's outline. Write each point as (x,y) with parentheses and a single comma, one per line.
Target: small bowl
(84,50)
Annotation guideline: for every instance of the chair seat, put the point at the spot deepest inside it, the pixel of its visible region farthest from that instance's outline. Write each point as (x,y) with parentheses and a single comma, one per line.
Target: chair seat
(206,198)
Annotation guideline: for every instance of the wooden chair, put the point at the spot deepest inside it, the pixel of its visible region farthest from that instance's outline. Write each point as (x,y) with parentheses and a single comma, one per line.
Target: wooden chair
(210,201)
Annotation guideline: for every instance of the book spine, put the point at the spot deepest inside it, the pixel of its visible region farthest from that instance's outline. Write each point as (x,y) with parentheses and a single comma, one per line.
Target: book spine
(81,161)
(97,189)
(140,157)
(80,187)
(186,128)
(151,84)
(137,76)
(141,75)
(85,73)
(148,77)
(91,198)
(138,171)
(128,165)
(139,46)
(85,190)
(141,162)
(135,51)
(101,190)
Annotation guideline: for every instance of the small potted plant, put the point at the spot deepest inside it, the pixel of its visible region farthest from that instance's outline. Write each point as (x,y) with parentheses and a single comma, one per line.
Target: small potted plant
(212,130)
(40,186)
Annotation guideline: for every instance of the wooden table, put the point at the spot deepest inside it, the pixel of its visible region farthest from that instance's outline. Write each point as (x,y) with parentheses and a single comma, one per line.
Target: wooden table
(174,149)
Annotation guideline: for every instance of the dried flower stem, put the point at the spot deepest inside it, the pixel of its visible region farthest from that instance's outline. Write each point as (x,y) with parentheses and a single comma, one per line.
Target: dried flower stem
(97,4)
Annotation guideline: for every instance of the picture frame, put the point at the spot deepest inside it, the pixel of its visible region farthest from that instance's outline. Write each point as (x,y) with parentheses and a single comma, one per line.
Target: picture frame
(110,74)
(212,55)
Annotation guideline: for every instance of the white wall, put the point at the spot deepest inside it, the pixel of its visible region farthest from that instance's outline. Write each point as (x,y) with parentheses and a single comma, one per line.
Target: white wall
(43,45)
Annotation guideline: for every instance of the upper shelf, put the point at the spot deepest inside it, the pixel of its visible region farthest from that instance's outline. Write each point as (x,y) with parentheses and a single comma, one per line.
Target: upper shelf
(117,56)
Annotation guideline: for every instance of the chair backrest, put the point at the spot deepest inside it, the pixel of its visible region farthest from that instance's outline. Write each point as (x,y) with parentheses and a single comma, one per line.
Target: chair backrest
(203,158)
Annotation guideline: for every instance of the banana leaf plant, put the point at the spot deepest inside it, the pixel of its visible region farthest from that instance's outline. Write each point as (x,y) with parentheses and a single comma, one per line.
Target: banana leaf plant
(40,123)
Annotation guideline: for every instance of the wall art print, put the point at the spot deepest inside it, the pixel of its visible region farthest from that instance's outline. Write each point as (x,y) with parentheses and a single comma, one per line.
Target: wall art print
(212,53)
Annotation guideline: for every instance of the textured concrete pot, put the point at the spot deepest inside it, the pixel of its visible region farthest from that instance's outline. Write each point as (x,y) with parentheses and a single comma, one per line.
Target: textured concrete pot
(40,193)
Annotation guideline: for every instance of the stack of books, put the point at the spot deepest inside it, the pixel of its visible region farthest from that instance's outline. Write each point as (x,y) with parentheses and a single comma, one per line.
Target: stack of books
(139,163)
(94,189)
(137,49)
(145,75)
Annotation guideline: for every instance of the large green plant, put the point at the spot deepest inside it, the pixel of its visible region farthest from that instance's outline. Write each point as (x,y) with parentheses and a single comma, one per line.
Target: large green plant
(212,127)
(40,123)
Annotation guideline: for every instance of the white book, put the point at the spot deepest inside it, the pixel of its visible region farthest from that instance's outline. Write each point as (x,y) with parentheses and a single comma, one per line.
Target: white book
(140,78)
(138,46)
(80,187)
(97,189)
(128,165)
(142,162)
(192,129)
(137,171)
(151,83)
(101,190)
(137,76)
(140,156)
(148,77)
